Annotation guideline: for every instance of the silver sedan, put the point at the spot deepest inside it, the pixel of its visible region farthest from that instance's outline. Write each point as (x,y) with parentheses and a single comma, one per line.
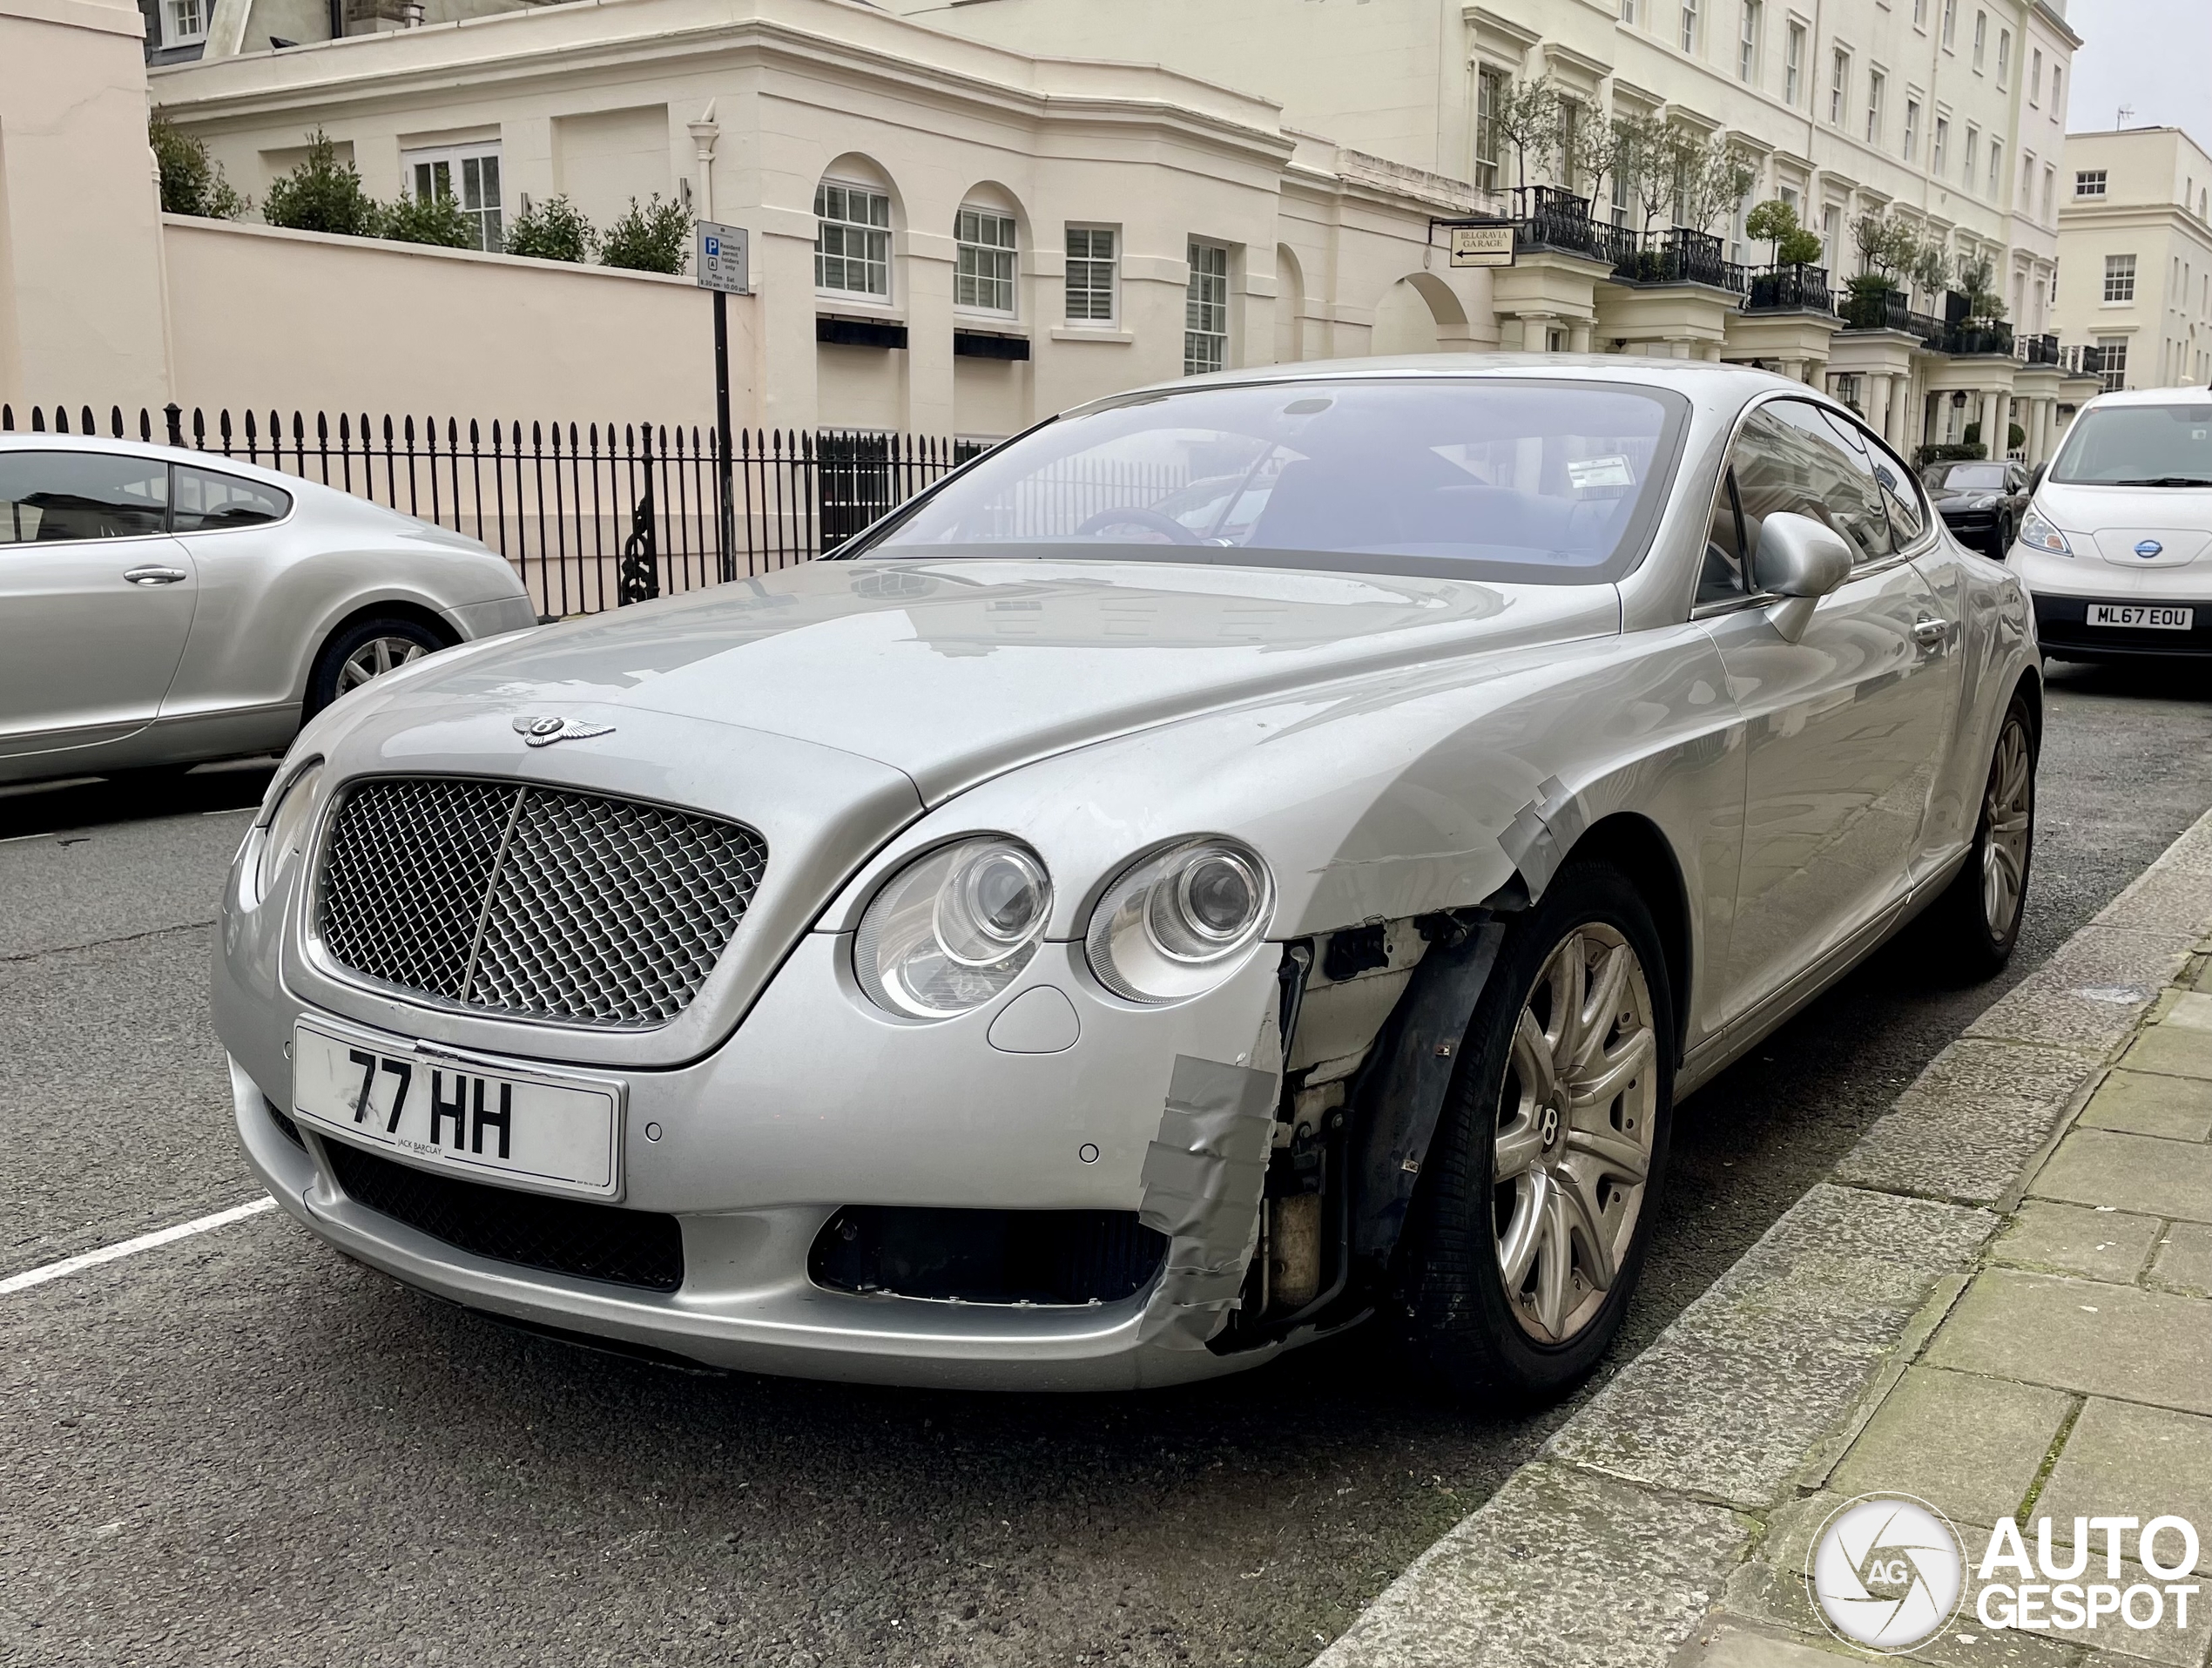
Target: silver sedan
(1096,932)
(159,607)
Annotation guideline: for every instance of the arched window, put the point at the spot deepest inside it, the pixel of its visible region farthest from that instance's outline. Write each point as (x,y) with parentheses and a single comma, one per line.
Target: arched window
(987,243)
(853,239)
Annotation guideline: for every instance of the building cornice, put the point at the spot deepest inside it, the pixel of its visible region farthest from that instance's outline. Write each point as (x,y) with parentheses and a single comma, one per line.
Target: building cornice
(509,50)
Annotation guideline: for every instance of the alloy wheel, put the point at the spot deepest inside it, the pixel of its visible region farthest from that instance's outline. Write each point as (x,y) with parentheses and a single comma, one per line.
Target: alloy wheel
(374,658)
(2008,809)
(1574,1129)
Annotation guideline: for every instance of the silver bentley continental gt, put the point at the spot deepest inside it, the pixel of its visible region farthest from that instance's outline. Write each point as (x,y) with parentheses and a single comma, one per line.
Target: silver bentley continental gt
(1094,932)
(159,607)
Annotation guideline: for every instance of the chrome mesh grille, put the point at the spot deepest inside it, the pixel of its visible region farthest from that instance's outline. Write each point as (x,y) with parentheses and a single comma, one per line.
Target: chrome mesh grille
(533,900)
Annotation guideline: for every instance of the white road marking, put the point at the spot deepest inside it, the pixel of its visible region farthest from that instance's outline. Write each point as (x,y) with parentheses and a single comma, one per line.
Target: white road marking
(31,1277)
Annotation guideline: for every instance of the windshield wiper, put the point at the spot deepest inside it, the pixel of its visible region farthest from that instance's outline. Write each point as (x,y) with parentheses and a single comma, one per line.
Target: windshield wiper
(2166,481)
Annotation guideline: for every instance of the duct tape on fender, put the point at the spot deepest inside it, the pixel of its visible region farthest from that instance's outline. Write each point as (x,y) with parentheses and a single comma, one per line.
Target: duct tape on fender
(1542,834)
(1203,1176)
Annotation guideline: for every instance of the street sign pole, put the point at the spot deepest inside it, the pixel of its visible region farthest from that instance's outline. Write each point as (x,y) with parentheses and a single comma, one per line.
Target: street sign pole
(723,252)
(722,432)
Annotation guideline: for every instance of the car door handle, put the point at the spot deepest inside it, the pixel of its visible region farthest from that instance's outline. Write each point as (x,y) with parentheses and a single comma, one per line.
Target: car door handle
(156,576)
(1932,631)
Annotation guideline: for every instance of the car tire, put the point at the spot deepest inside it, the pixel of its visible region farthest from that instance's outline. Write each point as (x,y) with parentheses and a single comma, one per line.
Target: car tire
(1515,1283)
(2002,540)
(1975,923)
(362,651)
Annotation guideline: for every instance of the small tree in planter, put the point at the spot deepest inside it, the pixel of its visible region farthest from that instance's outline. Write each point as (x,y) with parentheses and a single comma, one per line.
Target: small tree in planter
(322,194)
(1713,177)
(192,181)
(1600,153)
(1984,305)
(1776,224)
(1769,223)
(553,230)
(654,238)
(1646,168)
(1527,119)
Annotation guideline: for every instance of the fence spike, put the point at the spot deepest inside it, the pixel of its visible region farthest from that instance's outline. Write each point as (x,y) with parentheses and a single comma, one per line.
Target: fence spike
(223,427)
(92,425)
(198,430)
(406,428)
(473,441)
(115,421)
(145,426)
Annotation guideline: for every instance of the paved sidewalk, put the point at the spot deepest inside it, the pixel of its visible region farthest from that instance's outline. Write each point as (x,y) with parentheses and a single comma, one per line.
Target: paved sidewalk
(2071,1378)
(2000,1303)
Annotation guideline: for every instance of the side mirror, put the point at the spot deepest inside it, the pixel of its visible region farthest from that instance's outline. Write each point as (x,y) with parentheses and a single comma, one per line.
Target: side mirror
(2036,479)
(1799,561)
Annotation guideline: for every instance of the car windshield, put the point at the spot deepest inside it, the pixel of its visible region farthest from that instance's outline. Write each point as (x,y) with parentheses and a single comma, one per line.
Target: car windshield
(2138,446)
(1553,482)
(1970,478)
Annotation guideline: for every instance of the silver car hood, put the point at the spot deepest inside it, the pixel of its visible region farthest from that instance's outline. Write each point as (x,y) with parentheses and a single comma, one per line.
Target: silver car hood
(955,671)
(829,707)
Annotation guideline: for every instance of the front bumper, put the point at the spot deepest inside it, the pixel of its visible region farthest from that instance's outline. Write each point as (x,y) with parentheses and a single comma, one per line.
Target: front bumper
(815,1103)
(2063,625)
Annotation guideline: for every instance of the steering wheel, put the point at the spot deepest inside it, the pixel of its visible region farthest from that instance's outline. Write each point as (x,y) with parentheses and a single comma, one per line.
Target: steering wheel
(1176,532)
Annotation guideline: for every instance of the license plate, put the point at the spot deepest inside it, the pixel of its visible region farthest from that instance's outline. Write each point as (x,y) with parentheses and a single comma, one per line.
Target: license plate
(541,1131)
(2142,618)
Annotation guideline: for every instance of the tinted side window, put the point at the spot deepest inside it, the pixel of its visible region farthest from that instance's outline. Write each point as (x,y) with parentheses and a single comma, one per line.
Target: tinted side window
(1778,467)
(1901,494)
(207,501)
(1847,490)
(1725,575)
(46,496)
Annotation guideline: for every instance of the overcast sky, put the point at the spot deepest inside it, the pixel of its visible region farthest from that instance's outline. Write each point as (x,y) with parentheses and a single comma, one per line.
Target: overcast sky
(2155,56)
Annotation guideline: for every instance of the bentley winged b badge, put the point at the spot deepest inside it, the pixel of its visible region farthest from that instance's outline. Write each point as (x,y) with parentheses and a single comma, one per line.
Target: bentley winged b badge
(544,732)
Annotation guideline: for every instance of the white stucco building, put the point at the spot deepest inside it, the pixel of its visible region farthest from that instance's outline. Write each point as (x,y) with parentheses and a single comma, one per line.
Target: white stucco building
(2135,242)
(965,216)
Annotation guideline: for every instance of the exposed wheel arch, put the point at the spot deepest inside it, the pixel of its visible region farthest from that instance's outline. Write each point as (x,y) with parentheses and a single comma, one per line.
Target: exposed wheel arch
(1635,845)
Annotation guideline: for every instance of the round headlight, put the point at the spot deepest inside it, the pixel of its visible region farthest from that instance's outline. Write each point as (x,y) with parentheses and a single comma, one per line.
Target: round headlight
(282,828)
(952,929)
(1180,922)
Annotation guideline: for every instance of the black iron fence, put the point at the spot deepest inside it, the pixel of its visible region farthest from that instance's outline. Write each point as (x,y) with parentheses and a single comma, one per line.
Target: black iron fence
(1792,287)
(592,514)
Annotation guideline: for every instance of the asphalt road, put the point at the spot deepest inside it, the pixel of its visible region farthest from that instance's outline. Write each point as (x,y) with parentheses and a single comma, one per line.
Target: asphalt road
(243,1448)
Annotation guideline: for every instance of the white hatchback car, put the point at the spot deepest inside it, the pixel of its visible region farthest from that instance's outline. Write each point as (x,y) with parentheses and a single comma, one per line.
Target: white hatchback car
(2116,547)
(158,607)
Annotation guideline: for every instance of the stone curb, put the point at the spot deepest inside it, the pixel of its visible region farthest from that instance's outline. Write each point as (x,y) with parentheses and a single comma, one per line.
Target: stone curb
(1608,1549)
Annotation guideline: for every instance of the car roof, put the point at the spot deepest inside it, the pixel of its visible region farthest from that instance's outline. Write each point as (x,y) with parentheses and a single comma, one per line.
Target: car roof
(2153,396)
(1708,383)
(16,440)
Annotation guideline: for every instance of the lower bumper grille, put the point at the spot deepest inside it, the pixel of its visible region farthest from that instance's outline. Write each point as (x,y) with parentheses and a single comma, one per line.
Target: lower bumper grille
(1046,1257)
(562,1236)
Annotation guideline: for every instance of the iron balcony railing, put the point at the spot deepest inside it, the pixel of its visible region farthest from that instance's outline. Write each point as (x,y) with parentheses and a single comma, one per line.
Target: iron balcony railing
(1968,337)
(1789,287)
(592,514)
(2037,350)
(1680,256)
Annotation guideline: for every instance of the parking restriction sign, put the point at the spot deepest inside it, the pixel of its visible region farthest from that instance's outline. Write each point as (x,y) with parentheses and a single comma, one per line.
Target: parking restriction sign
(722,257)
